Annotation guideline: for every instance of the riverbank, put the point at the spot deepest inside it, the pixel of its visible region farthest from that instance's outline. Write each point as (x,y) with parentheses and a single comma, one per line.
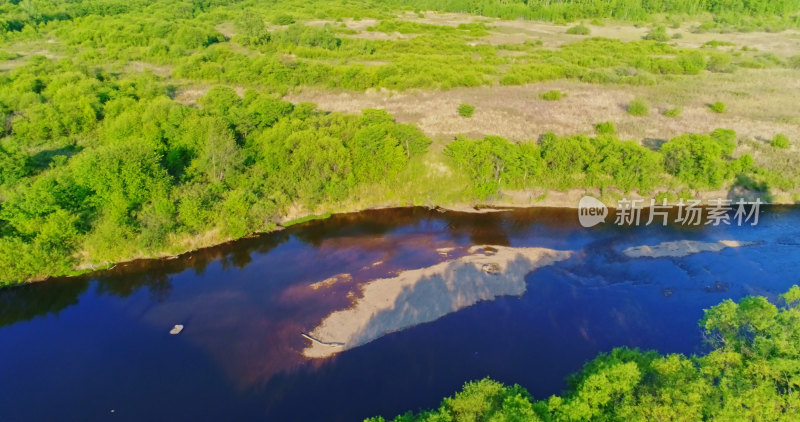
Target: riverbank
(530,198)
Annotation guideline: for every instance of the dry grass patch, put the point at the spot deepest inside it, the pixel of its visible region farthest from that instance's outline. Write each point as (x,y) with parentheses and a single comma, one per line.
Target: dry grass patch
(445,19)
(759,106)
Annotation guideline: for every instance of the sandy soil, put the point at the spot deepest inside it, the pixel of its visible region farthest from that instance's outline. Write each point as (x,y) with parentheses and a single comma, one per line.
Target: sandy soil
(422,295)
(681,248)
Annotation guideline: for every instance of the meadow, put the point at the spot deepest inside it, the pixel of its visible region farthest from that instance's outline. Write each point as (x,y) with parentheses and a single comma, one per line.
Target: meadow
(142,129)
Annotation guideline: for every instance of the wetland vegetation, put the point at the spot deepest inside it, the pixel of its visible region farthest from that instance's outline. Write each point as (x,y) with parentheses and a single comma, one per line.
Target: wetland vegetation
(150,128)
(138,129)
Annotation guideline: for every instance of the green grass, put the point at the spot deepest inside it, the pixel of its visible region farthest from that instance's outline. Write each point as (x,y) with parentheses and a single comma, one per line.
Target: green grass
(466,110)
(579,30)
(780,141)
(283,20)
(717,107)
(658,33)
(605,128)
(716,43)
(306,219)
(638,107)
(553,95)
(673,112)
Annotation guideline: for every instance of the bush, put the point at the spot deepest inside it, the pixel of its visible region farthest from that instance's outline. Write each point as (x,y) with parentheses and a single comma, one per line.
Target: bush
(717,107)
(605,128)
(283,20)
(560,163)
(719,62)
(658,33)
(466,110)
(701,161)
(726,138)
(638,107)
(692,63)
(553,95)
(673,112)
(780,141)
(579,29)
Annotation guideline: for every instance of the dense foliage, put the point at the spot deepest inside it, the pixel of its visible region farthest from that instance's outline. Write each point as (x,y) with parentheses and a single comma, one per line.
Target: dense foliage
(113,167)
(696,160)
(752,372)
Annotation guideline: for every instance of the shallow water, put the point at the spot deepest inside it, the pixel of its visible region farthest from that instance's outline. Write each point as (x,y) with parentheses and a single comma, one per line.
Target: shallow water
(80,348)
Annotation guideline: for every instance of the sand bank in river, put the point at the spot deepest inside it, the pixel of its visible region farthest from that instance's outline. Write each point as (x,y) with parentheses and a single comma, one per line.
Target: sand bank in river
(426,294)
(681,248)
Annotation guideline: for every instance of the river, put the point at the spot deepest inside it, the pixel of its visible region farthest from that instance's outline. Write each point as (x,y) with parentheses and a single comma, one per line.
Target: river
(98,347)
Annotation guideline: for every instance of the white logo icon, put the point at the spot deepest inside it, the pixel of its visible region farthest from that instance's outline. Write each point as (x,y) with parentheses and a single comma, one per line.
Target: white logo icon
(591,211)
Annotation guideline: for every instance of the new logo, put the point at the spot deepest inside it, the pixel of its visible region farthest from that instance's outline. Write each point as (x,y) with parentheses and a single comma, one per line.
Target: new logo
(591,211)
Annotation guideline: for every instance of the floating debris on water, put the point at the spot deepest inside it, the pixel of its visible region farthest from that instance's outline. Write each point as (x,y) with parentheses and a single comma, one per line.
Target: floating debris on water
(176,329)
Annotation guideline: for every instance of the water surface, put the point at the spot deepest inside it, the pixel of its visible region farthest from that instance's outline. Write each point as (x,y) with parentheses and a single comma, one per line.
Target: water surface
(97,347)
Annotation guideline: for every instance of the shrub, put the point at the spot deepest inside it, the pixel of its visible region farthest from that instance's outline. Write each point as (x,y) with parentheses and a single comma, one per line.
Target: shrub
(692,63)
(780,141)
(701,161)
(605,128)
(283,20)
(717,107)
(726,138)
(658,33)
(466,110)
(579,29)
(716,43)
(673,112)
(553,95)
(638,107)
(719,62)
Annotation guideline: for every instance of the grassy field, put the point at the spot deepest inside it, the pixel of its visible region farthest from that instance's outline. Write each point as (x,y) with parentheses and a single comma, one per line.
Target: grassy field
(139,129)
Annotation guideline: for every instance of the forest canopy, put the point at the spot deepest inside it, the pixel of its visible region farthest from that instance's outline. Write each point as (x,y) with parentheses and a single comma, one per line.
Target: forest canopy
(122,168)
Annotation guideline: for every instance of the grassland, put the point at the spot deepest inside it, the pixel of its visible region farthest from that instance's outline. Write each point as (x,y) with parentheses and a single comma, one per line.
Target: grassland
(139,129)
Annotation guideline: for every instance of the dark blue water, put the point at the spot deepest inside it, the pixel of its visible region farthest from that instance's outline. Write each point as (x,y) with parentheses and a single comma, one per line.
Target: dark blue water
(98,348)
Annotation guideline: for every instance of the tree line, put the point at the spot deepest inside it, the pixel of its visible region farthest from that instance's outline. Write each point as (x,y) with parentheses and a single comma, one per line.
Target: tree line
(696,161)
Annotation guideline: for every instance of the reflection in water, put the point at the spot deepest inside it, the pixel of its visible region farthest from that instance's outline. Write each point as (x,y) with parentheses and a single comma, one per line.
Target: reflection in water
(681,248)
(245,304)
(24,303)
